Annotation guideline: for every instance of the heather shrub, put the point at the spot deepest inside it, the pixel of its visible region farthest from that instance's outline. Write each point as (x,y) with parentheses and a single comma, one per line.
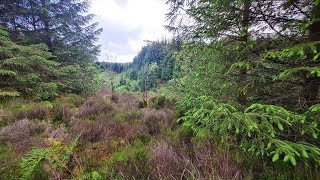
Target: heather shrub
(114,98)
(95,106)
(128,101)
(60,134)
(156,119)
(215,161)
(63,114)
(142,103)
(102,130)
(40,110)
(228,168)
(133,130)
(153,125)
(167,163)
(5,118)
(22,130)
(91,131)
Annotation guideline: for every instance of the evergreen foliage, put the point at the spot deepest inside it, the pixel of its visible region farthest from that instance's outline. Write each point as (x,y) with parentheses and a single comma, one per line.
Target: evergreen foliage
(249,74)
(63,25)
(27,70)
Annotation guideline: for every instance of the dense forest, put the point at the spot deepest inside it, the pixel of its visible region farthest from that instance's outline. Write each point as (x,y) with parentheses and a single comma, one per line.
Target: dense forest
(234,94)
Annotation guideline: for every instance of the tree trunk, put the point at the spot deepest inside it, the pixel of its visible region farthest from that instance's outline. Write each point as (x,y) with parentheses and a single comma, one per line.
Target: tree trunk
(242,98)
(312,84)
(45,20)
(311,90)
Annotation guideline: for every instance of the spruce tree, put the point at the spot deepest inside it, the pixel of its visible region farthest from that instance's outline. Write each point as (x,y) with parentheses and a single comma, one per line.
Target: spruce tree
(26,71)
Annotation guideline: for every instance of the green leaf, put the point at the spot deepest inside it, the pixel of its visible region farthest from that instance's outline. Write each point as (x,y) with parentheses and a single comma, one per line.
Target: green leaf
(269,145)
(286,158)
(293,160)
(237,130)
(275,157)
(305,154)
(280,127)
(316,57)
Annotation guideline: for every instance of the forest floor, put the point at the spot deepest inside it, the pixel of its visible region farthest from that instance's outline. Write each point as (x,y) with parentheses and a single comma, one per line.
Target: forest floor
(119,138)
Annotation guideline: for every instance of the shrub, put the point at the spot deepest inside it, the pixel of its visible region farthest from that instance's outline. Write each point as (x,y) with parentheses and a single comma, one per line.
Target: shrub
(91,131)
(39,111)
(159,102)
(65,108)
(63,114)
(22,130)
(5,118)
(167,163)
(128,101)
(68,100)
(94,106)
(154,119)
(129,115)
(129,163)
(23,134)
(215,162)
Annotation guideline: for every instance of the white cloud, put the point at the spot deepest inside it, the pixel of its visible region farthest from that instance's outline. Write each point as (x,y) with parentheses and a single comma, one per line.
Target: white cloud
(132,21)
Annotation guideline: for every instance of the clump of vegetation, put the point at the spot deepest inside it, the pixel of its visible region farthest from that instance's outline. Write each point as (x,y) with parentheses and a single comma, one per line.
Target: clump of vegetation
(52,160)
(95,106)
(129,162)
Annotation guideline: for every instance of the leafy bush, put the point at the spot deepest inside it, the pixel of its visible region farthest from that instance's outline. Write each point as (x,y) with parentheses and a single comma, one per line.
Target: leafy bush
(46,91)
(157,102)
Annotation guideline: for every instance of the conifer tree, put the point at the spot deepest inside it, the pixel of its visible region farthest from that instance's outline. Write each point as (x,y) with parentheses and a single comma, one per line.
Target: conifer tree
(26,70)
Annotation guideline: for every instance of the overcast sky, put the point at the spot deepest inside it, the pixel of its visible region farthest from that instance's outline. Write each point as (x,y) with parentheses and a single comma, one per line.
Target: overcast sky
(126,24)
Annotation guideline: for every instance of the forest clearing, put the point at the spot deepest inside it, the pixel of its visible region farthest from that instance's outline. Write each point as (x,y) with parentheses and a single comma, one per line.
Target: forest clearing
(152,89)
